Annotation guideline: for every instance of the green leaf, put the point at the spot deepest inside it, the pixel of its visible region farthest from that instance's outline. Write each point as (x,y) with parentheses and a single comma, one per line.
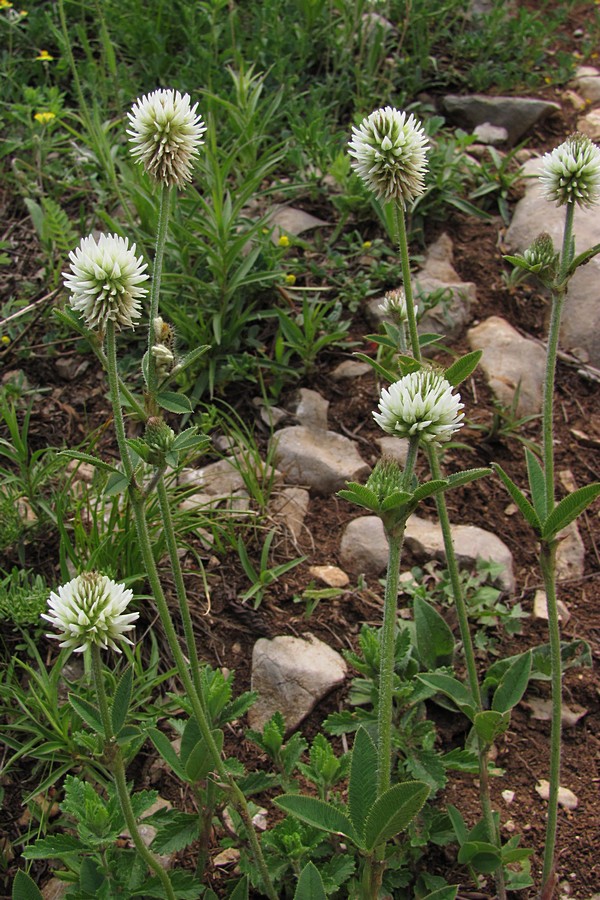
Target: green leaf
(458,824)
(362,786)
(88,712)
(520,499)
(122,700)
(318,814)
(489,724)
(24,888)
(483,857)
(463,367)
(200,761)
(174,402)
(429,338)
(91,877)
(435,641)
(117,483)
(568,509)
(513,684)
(572,653)
(537,484)
(393,812)
(386,374)
(460,478)
(361,495)
(53,847)
(430,488)
(583,258)
(166,751)
(176,833)
(444,893)
(310,884)
(88,458)
(451,687)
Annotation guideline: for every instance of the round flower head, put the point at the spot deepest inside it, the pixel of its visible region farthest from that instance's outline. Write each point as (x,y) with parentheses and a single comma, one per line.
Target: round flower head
(394,305)
(571,173)
(104,281)
(389,151)
(420,403)
(90,610)
(166,133)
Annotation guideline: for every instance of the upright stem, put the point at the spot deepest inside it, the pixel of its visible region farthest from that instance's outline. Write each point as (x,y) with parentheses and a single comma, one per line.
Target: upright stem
(198,705)
(548,552)
(388,637)
(469,653)
(161,239)
(405,263)
(118,770)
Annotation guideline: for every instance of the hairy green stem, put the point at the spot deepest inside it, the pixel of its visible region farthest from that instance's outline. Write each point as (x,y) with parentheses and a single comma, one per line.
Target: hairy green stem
(198,704)
(548,552)
(118,770)
(159,253)
(406,279)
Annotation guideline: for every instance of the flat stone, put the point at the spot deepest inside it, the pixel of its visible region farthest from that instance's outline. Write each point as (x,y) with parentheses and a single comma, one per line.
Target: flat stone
(566,797)
(332,576)
(570,553)
(321,460)
(291,675)
(587,83)
(310,408)
(493,135)
(289,506)
(364,546)
(590,124)
(533,215)
(350,368)
(541,710)
(55,889)
(510,362)
(516,114)
(289,220)
(540,608)
(219,478)
(394,448)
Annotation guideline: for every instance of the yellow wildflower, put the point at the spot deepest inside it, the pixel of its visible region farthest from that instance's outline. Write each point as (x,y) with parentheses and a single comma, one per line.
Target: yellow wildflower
(290,279)
(44,117)
(367,245)
(5,339)
(44,56)
(23,13)
(284,241)
(5,4)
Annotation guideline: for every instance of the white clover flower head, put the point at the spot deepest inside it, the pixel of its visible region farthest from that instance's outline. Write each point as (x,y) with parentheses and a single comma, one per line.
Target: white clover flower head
(571,173)
(104,281)
(165,132)
(394,305)
(90,610)
(390,155)
(421,403)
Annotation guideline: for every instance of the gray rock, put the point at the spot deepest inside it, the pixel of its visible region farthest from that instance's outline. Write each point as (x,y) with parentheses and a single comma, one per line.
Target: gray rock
(493,135)
(516,114)
(587,83)
(570,554)
(510,362)
(590,124)
(219,479)
(534,215)
(350,368)
(291,675)
(310,409)
(321,460)
(289,220)
(451,315)
(394,448)
(289,507)
(364,547)
(471,543)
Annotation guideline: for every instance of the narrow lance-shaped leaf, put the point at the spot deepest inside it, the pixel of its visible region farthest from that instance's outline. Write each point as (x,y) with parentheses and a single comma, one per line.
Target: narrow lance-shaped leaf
(318,814)
(463,367)
(434,638)
(362,786)
(122,700)
(520,499)
(393,812)
(513,684)
(568,509)
(88,712)
(24,888)
(537,484)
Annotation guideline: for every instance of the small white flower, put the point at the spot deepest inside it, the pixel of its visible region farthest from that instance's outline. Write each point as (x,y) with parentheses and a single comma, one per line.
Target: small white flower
(104,281)
(166,133)
(389,151)
(420,403)
(394,305)
(90,610)
(571,173)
